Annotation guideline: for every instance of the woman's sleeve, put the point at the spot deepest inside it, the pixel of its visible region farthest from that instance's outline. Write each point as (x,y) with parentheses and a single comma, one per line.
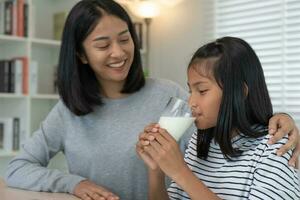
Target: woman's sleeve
(29,170)
(273,178)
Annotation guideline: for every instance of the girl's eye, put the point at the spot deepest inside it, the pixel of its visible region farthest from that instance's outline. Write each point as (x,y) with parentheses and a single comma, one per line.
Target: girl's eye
(202,91)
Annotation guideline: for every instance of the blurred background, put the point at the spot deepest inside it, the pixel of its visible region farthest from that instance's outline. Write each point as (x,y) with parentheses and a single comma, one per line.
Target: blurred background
(169,31)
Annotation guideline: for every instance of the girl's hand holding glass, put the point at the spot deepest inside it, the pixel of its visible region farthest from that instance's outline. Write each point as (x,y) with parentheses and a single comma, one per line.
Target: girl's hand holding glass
(144,140)
(164,151)
(176,117)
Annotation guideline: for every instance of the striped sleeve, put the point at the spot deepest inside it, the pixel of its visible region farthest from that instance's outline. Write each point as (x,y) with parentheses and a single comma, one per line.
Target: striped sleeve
(273,178)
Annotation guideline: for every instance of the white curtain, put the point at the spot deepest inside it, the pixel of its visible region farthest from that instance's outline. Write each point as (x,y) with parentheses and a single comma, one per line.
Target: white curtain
(272,27)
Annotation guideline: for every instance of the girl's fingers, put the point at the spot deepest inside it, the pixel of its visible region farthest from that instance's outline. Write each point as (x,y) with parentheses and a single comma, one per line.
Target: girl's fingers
(149,127)
(166,134)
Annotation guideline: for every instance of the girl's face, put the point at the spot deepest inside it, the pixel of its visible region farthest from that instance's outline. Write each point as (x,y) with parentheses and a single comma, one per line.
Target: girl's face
(204,100)
(109,50)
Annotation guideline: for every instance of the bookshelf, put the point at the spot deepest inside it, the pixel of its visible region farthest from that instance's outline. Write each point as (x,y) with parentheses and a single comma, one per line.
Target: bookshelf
(39,47)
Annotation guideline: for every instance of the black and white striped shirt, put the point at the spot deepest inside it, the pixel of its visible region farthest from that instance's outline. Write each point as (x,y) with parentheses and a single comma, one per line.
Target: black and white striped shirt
(258,173)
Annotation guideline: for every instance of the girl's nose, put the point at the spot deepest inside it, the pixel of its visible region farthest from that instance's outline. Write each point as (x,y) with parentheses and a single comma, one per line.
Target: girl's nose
(191,102)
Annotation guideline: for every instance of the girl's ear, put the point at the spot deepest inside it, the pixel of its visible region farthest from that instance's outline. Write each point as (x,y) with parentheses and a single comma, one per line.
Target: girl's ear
(83,58)
(246,90)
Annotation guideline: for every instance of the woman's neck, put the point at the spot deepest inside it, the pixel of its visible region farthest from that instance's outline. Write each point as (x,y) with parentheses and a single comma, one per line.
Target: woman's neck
(112,90)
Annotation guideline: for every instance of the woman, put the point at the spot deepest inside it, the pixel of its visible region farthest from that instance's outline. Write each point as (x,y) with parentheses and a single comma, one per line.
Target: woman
(105,102)
(229,156)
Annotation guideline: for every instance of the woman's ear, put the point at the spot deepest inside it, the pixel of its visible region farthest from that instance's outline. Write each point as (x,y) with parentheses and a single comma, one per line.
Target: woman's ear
(83,58)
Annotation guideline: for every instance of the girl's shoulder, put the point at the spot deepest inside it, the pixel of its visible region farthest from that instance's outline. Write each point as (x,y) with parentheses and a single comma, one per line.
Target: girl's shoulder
(261,148)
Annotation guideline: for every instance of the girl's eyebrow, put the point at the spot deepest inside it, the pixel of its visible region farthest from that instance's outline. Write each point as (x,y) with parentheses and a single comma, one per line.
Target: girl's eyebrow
(106,37)
(197,83)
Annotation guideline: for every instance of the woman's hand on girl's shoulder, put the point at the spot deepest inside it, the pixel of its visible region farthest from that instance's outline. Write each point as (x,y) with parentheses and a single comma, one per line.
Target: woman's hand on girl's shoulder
(280,125)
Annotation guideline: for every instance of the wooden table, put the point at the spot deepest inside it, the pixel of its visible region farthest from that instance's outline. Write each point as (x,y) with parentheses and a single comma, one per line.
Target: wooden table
(7,193)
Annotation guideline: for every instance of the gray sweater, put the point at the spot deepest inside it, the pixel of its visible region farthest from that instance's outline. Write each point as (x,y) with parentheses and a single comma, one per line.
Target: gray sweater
(99,146)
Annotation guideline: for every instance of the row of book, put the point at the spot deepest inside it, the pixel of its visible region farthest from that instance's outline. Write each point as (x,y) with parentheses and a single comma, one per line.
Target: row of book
(11,134)
(14,75)
(14,18)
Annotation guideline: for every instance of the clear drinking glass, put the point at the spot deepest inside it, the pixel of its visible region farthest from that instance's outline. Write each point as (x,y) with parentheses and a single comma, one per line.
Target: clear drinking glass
(176,117)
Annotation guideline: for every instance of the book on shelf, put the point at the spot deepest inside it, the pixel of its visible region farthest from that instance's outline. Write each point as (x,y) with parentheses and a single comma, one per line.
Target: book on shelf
(2,14)
(33,77)
(1,136)
(14,18)
(14,75)
(10,134)
(18,76)
(59,19)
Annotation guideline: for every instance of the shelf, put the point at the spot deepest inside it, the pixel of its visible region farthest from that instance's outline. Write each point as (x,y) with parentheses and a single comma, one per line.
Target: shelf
(8,39)
(45,96)
(46,42)
(13,38)
(12,95)
(8,154)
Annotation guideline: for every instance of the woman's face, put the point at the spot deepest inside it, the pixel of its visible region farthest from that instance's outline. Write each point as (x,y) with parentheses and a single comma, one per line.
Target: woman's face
(109,50)
(204,100)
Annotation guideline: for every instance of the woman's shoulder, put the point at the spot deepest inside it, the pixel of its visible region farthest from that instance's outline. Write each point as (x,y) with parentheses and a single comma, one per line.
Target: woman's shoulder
(162,83)
(60,110)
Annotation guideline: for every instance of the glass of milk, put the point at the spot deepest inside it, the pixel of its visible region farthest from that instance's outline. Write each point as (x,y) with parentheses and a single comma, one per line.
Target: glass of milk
(176,117)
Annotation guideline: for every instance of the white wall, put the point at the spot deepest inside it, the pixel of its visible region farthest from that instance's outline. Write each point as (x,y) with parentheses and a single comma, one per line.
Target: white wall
(174,36)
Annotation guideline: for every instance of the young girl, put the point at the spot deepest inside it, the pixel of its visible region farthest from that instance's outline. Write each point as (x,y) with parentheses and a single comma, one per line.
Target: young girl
(229,157)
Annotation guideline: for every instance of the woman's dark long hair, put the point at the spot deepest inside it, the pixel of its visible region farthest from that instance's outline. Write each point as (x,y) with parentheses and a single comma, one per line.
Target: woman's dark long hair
(245,100)
(77,83)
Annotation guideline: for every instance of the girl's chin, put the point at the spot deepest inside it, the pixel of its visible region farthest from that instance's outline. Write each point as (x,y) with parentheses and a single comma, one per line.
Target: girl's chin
(203,126)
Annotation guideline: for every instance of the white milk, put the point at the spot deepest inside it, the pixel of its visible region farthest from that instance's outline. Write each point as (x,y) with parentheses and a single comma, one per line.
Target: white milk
(176,126)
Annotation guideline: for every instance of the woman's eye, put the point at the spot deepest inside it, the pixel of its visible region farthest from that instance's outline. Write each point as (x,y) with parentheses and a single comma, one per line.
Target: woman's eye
(124,40)
(103,47)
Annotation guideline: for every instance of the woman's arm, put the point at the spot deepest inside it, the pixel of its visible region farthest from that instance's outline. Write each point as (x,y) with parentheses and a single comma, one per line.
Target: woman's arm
(29,170)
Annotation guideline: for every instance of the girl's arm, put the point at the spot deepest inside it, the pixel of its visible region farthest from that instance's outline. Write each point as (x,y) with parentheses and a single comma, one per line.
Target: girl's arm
(156,177)
(194,187)
(157,189)
(164,150)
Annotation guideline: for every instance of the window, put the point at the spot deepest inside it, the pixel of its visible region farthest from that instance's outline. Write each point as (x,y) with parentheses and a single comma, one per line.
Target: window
(272,28)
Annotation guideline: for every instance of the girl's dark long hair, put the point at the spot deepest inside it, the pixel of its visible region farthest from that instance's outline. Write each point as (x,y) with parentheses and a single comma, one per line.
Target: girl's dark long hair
(245,101)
